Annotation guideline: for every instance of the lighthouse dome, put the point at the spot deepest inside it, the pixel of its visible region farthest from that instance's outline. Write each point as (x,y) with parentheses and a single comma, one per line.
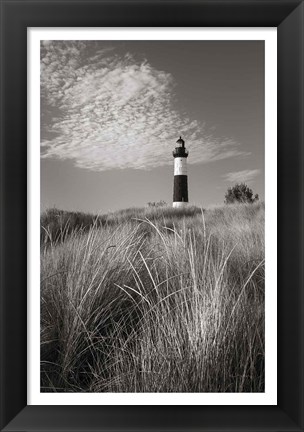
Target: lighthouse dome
(180,142)
(180,150)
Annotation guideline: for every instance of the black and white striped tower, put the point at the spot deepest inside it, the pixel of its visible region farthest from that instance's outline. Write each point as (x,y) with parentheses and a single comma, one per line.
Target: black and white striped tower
(180,191)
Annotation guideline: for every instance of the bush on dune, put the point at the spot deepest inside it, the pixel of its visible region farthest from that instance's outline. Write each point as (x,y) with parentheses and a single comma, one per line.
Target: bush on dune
(164,300)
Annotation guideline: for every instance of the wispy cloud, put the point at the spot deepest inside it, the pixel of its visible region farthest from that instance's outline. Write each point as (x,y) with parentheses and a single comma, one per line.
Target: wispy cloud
(106,111)
(241,176)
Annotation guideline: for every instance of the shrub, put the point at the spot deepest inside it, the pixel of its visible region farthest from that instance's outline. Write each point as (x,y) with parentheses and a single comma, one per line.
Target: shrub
(160,203)
(240,193)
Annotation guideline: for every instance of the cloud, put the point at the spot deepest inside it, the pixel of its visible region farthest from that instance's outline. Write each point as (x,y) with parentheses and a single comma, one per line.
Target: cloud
(105,111)
(241,176)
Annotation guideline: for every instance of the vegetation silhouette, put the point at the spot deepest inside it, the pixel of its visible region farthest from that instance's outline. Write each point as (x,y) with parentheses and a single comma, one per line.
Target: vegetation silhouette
(240,193)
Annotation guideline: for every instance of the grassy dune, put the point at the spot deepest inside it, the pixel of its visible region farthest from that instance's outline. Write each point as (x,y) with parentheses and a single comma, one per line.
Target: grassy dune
(153,300)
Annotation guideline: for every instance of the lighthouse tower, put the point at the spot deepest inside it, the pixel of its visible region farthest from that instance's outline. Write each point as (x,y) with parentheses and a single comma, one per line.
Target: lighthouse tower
(180,191)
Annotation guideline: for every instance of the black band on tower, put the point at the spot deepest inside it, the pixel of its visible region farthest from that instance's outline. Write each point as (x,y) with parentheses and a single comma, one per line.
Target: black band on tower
(180,191)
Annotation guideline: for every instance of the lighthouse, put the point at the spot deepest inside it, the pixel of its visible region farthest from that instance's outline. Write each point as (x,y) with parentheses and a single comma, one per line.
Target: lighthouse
(180,190)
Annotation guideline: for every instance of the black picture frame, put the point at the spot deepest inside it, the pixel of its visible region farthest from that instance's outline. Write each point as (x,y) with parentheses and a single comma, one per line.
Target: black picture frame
(16,16)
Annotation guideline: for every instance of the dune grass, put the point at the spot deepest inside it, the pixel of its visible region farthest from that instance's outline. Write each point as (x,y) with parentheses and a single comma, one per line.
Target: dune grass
(153,300)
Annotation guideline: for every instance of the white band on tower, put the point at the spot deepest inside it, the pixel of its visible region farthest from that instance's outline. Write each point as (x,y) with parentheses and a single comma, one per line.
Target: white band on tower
(180,166)
(180,204)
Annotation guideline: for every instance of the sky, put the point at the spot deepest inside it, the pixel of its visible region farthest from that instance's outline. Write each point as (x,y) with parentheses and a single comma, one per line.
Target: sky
(111,112)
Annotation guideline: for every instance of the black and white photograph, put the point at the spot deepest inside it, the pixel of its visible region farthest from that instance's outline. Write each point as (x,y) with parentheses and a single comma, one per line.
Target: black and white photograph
(152,216)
